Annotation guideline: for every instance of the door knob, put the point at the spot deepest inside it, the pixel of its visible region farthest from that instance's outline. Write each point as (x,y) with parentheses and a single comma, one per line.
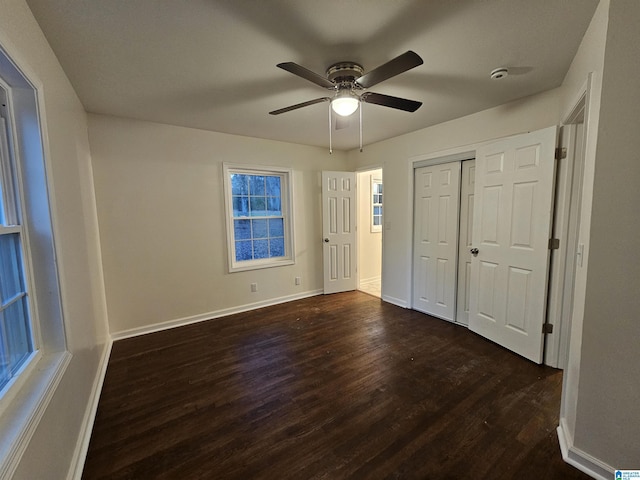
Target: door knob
(326,240)
(474,251)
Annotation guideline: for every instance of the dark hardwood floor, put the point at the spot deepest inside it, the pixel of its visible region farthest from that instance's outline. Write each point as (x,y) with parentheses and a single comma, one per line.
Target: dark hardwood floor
(330,387)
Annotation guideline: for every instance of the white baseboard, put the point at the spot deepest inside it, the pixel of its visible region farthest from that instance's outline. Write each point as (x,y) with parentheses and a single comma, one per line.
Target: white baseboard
(579,459)
(80,454)
(396,301)
(134,332)
(367,281)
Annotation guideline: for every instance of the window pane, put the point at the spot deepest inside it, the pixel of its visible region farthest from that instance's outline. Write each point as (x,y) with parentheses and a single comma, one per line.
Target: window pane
(276,227)
(256,185)
(2,220)
(276,247)
(240,206)
(377,210)
(11,282)
(15,339)
(273,186)
(243,250)
(261,249)
(242,229)
(274,206)
(377,220)
(259,228)
(5,357)
(239,184)
(258,206)
(17,323)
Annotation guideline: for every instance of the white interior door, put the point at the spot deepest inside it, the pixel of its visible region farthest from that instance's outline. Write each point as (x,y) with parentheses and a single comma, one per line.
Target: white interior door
(513,210)
(467,194)
(435,243)
(339,231)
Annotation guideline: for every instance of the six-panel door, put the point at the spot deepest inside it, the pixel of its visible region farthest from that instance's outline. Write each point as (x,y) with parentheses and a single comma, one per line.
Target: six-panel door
(339,231)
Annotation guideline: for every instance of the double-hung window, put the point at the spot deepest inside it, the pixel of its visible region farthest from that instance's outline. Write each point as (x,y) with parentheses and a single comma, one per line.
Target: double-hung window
(258,207)
(16,341)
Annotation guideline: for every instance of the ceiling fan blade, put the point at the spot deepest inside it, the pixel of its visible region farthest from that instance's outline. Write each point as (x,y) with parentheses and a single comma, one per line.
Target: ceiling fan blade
(398,65)
(306,74)
(299,105)
(389,101)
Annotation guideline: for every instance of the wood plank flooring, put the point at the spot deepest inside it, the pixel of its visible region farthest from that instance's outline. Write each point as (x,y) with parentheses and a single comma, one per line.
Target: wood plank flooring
(330,387)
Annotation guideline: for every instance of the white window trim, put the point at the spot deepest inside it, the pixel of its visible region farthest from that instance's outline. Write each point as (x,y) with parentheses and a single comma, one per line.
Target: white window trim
(287,213)
(375,228)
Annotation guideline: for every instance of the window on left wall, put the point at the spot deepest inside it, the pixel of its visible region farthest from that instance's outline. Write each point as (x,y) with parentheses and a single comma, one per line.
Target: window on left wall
(258,216)
(33,347)
(16,338)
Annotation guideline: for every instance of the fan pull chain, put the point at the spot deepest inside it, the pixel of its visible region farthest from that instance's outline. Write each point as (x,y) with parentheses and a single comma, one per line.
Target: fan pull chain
(360,126)
(330,144)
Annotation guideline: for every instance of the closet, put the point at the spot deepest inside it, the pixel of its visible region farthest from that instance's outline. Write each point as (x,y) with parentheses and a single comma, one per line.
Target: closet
(481,239)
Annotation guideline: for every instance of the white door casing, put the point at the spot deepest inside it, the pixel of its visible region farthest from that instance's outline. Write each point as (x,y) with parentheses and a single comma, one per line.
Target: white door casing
(511,229)
(435,251)
(339,231)
(467,192)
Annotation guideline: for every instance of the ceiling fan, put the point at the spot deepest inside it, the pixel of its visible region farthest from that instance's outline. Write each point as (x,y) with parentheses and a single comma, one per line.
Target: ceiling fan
(349,85)
(349,82)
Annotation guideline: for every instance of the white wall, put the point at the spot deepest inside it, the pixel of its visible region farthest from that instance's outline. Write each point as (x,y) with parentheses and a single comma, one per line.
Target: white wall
(524,115)
(608,407)
(161,213)
(589,59)
(369,243)
(51,451)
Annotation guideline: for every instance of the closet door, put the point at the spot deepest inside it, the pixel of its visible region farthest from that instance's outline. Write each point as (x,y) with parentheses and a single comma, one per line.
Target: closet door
(467,193)
(511,230)
(435,243)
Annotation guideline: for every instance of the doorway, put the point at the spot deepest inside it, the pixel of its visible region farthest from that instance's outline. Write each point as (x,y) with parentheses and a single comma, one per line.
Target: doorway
(370,226)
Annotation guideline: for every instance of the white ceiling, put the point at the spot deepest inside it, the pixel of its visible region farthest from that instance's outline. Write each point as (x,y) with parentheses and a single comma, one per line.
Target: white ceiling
(211,64)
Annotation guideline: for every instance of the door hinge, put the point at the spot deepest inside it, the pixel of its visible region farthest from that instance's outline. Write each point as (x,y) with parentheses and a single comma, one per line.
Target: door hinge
(561,152)
(554,243)
(547,328)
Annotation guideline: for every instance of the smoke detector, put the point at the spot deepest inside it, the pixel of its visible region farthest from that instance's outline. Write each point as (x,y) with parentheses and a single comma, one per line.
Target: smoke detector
(499,73)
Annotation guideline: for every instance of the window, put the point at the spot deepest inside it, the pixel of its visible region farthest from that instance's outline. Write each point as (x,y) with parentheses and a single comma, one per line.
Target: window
(376,205)
(33,350)
(258,204)
(16,341)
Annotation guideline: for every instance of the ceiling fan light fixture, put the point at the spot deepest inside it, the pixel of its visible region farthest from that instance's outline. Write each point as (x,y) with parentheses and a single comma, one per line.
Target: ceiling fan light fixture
(345,103)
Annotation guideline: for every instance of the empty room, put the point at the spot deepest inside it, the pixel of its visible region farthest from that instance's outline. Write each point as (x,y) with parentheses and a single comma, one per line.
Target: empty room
(297,239)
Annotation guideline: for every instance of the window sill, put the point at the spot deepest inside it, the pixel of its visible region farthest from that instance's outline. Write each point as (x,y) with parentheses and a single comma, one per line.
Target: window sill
(258,265)
(25,408)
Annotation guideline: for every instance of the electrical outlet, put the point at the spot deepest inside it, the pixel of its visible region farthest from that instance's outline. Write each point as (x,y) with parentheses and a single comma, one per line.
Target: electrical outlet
(254,287)
(298,280)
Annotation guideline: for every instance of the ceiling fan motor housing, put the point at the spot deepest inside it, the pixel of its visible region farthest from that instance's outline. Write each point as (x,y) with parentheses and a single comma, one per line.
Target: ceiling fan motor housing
(344,73)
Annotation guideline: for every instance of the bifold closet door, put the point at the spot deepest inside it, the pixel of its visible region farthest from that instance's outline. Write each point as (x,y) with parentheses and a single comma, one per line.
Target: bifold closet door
(467,193)
(435,251)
